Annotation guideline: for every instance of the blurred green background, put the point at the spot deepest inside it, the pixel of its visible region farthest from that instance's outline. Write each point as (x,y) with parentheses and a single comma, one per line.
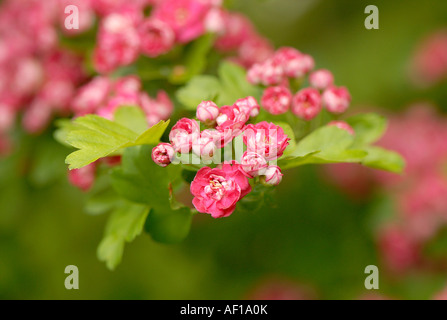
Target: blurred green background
(315,236)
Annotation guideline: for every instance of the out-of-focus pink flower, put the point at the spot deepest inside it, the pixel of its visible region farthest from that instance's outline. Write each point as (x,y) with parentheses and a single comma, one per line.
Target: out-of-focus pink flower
(399,250)
(266,139)
(7,117)
(217,191)
(118,43)
(207,112)
(86,15)
(157,38)
(28,76)
(336,99)
(163,154)
(91,96)
(206,144)
(321,79)
(83,178)
(342,125)
(273,176)
(37,116)
(294,63)
(185,17)
(276,100)
(215,21)
(249,106)
(429,63)
(237,28)
(306,104)
(253,164)
(120,100)
(255,49)
(127,85)
(183,133)
(157,109)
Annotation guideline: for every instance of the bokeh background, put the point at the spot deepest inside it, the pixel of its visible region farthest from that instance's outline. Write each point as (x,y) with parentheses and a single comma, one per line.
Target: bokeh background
(317,240)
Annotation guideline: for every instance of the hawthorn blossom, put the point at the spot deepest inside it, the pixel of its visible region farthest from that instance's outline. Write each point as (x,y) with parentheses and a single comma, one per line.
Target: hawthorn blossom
(249,106)
(266,139)
(276,100)
(156,37)
(272,175)
(321,79)
(253,164)
(163,154)
(306,103)
(183,134)
(207,112)
(206,144)
(83,178)
(217,191)
(336,99)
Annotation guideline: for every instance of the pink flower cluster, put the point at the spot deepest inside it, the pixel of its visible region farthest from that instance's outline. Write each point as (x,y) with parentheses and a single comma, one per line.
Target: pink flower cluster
(419,196)
(217,190)
(281,70)
(102,96)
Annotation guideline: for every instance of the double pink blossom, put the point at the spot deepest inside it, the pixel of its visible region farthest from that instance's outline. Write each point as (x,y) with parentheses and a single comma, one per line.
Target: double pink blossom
(321,79)
(249,106)
(183,134)
(206,144)
(266,139)
(230,122)
(157,37)
(276,100)
(217,191)
(336,99)
(253,164)
(306,103)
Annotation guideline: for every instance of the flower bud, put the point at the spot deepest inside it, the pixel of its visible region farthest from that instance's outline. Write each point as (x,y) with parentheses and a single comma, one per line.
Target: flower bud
(321,79)
(163,154)
(272,176)
(253,164)
(181,135)
(206,144)
(207,112)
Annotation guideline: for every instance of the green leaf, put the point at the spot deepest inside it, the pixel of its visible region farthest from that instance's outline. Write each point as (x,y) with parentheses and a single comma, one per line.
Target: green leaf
(142,181)
(97,137)
(289,132)
(368,127)
(169,226)
(194,60)
(379,158)
(131,117)
(199,89)
(124,224)
(234,84)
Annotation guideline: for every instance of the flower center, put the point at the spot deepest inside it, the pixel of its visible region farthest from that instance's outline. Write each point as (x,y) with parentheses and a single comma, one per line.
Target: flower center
(217,187)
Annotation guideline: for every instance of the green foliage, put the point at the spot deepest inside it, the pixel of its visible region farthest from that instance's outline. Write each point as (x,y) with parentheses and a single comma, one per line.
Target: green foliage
(230,86)
(330,144)
(97,137)
(124,224)
(140,180)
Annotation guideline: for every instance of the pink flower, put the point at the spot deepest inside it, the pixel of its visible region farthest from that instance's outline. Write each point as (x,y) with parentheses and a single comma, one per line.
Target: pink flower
(306,103)
(266,139)
(272,176)
(230,121)
(182,134)
(342,125)
(121,100)
(237,28)
(163,154)
(294,63)
(118,43)
(255,49)
(272,72)
(91,96)
(249,106)
(321,79)
(254,74)
(156,109)
(215,21)
(128,85)
(276,100)
(253,164)
(206,144)
(84,177)
(185,17)
(336,100)
(157,38)
(217,191)
(207,112)
(37,116)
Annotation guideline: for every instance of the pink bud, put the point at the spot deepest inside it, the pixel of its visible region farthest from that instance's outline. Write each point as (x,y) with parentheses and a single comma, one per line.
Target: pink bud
(276,100)
(272,176)
(182,133)
(342,125)
(336,99)
(163,154)
(84,177)
(253,164)
(156,37)
(266,139)
(306,103)
(294,63)
(254,74)
(207,112)
(249,106)
(321,79)
(205,145)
